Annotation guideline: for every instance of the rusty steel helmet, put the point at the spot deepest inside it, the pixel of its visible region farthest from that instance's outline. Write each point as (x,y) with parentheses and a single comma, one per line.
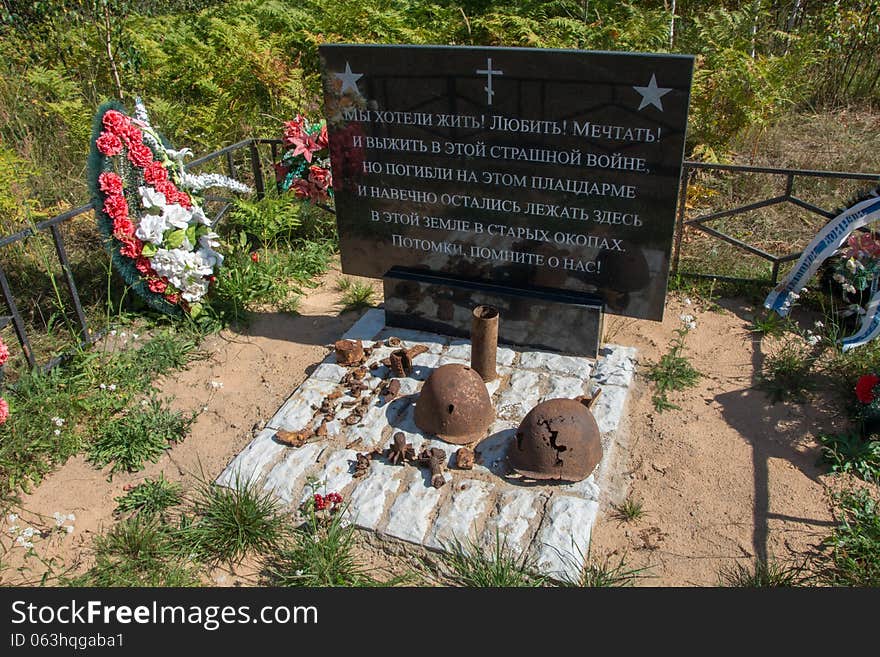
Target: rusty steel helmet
(557,439)
(454,404)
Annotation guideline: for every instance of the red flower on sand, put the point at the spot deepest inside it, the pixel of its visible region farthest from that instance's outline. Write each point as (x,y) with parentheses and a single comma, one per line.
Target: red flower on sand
(865,388)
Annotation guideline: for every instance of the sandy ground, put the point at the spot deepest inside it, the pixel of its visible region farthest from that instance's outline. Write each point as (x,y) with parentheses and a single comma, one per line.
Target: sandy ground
(728,477)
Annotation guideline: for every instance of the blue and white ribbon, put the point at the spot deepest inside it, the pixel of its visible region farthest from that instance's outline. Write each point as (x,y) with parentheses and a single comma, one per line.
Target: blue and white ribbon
(827,241)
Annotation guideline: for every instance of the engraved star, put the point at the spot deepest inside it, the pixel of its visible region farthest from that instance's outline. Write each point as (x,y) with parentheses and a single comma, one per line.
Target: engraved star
(349,79)
(652,94)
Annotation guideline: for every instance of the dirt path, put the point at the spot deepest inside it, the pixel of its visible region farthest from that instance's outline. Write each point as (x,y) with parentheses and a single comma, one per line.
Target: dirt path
(726,478)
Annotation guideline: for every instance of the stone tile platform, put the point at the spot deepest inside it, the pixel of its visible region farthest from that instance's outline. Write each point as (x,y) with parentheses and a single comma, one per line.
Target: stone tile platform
(551,523)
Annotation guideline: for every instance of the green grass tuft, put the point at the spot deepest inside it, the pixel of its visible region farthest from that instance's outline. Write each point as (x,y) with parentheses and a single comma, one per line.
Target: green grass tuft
(141,435)
(630,509)
(150,498)
(852,552)
(230,523)
(469,565)
(673,372)
(762,574)
(355,295)
(786,373)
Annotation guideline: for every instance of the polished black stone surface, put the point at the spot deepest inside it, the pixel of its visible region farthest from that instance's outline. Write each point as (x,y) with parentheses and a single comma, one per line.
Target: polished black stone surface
(557,170)
(541,319)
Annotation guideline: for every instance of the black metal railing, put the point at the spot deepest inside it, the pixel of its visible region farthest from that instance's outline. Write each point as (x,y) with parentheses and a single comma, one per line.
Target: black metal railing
(701,222)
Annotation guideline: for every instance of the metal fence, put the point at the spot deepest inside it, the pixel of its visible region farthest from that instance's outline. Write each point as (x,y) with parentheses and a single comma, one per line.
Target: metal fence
(256,178)
(701,222)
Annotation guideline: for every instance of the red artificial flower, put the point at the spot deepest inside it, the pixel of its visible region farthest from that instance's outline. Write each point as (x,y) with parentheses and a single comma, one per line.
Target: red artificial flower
(335,498)
(122,228)
(143,266)
(865,388)
(305,145)
(131,247)
(116,207)
(255,256)
(140,155)
(168,188)
(183,199)
(293,130)
(157,285)
(109,144)
(321,177)
(320,502)
(281,171)
(323,140)
(172,298)
(4,353)
(302,188)
(131,136)
(110,183)
(155,173)
(4,410)
(116,122)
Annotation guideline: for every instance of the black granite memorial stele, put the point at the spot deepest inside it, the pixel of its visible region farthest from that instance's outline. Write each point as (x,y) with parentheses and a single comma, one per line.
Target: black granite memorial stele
(543,182)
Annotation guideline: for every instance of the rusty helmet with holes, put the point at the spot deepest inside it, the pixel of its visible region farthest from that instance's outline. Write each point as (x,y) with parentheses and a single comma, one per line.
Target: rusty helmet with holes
(454,404)
(558,439)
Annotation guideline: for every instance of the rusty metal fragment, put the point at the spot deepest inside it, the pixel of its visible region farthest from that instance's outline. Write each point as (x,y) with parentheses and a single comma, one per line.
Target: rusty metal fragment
(412,352)
(464,458)
(362,464)
(400,451)
(321,431)
(400,363)
(434,458)
(353,419)
(293,438)
(393,341)
(454,404)
(390,390)
(558,439)
(349,352)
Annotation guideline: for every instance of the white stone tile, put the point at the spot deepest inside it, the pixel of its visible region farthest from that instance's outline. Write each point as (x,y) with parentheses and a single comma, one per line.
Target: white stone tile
(616,366)
(449,360)
(253,461)
(505,356)
(410,515)
(298,411)
(514,521)
(367,326)
(562,542)
(373,494)
(586,488)
(522,394)
(565,387)
(491,452)
(460,349)
(367,434)
(337,473)
(460,516)
(329,372)
(286,479)
(557,363)
(608,409)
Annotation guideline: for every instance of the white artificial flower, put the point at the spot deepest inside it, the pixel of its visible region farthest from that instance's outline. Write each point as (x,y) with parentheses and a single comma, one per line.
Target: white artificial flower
(150,198)
(176,215)
(818,324)
(199,216)
(209,241)
(194,291)
(813,340)
(151,228)
(210,258)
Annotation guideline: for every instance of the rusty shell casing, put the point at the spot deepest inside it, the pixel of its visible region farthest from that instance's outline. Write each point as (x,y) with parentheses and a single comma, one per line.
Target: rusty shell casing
(484,341)
(349,352)
(400,363)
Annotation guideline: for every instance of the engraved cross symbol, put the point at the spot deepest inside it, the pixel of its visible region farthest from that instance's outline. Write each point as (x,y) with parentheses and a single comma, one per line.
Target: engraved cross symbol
(488,72)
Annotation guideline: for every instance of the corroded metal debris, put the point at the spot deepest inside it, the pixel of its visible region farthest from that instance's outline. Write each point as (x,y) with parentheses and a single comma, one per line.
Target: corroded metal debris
(400,451)
(293,438)
(393,341)
(362,464)
(349,352)
(454,404)
(464,458)
(557,439)
(434,458)
(400,363)
(389,390)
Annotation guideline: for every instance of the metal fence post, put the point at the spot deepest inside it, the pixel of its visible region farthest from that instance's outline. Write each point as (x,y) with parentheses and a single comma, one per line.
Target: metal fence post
(257,169)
